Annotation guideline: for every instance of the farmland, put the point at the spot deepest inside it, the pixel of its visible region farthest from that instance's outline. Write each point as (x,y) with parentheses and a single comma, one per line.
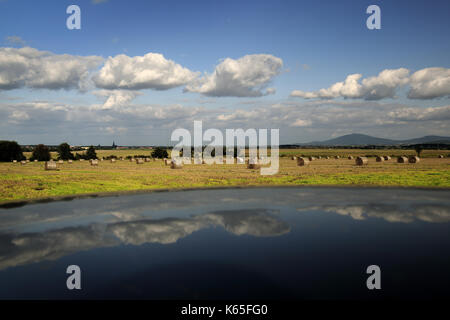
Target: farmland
(31,181)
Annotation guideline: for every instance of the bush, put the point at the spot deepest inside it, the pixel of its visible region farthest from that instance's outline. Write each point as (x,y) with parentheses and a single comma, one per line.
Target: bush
(9,151)
(64,152)
(90,153)
(160,153)
(40,153)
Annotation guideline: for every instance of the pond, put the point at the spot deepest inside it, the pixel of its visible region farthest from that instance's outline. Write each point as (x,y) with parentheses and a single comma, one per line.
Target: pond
(243,243)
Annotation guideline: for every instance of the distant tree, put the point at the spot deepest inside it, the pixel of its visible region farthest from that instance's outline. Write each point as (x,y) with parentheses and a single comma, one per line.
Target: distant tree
(160,153)
(64,152)
(90,153)
(10,150)
(41,153)
(418,149)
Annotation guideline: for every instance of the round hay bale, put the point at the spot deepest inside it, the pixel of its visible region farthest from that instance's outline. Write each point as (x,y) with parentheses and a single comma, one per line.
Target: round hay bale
(139,161)
(176,165)
(319,157)
(240,160)
(28,161)
(361,161)
(35,160)
(402,159)
(70,161)
(441,156)
(414,159)
(293,158)
(14,161)
(23,162)
(94,162)
(50,165)
(337,157)
(350,157)
(61,161)
(302,161)
(147,159)
(253,166)
(113,160)
(379,159)
(312,158)
(386,158)
(81,159)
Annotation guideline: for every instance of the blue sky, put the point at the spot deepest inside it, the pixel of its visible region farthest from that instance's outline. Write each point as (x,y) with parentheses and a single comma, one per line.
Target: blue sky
(319,43)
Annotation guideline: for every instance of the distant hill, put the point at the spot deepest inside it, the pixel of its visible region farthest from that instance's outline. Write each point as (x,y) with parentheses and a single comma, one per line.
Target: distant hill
(357,139)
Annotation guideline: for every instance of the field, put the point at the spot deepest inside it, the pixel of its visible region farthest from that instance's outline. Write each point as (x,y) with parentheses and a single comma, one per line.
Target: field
(31,181)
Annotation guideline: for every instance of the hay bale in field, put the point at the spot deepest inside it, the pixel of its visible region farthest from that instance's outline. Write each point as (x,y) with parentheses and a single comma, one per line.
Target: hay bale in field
(441,156)
(319,157)
(337,157)
(312,158)
(27,161)
(293,158)
(386,158)
(23,162)
(50,165)
(350,157)
(327,157)
(240,160)
(69,161)
(402,159)
(253,166)
(147,159)
(94,162)
(132,160)
(113,160)
(121,158)
(379,159)
(139,161)
(14,161)
(61,161)
(302,161)
(176,164)
(361,161)
(413,159)
(35,160)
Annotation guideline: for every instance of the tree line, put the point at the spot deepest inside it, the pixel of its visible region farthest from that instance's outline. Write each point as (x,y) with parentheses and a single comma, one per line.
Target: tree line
(11,150)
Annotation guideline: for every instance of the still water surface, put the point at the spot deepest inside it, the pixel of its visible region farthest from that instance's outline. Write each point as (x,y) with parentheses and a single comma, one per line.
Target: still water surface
(260,243)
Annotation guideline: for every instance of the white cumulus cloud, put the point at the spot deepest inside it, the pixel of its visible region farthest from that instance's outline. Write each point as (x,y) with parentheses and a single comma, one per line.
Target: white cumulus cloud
(245,77)
(29,67)
(151,71)
(430,83)
(384,85)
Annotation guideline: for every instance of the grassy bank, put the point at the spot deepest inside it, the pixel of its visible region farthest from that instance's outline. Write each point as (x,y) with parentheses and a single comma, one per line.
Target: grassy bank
(30,181)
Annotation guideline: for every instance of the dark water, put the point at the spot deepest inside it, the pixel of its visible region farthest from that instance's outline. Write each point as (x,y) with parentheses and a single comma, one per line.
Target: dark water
(271,243)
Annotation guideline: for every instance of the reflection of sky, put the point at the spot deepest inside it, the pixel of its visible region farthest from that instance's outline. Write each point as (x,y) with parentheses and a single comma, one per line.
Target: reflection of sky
(49,231)
(17,249)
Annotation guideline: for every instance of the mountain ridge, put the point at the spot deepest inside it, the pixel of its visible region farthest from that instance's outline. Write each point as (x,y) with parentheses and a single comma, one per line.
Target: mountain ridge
(358,139)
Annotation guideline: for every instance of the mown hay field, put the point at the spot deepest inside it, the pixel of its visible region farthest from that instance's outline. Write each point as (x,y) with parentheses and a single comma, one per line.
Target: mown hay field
(31,181)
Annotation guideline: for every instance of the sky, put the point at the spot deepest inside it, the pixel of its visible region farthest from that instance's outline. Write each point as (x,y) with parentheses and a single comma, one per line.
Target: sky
(137,70)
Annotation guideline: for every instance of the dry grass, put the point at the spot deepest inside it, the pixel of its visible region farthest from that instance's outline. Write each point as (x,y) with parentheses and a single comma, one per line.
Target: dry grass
(32,181)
